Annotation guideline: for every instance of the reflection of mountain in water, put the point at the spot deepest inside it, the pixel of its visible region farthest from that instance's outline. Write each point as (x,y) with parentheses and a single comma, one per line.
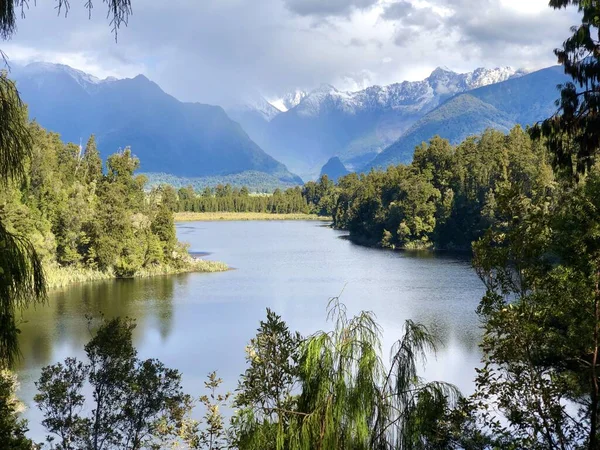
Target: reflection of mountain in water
(58,326)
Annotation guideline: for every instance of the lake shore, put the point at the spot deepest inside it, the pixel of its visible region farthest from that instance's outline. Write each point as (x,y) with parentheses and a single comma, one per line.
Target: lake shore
(234,216)
(58,276)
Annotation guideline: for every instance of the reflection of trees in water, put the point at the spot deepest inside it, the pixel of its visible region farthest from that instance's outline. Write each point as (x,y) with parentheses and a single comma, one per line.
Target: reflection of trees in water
(62,323)
(448,330)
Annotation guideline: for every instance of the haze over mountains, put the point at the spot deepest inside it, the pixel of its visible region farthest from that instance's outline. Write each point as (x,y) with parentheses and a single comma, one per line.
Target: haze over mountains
(356,126)
(374,127)
(183,139)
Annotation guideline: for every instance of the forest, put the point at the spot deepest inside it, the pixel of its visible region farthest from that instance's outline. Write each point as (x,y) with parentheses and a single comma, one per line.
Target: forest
(527,203)
(88,220)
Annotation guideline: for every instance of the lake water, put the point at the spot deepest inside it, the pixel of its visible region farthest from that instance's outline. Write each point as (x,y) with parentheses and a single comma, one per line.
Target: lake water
(201,322)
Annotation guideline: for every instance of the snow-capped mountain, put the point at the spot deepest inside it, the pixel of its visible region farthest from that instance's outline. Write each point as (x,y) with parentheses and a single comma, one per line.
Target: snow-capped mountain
(41,69)
(408,95)
(289,101)
(356,126)
(257,103)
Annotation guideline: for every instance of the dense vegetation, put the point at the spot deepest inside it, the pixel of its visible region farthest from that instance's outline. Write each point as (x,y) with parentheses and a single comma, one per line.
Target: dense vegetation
(446,198)
(224,198)
(532,207)
(82,220)
(313,197)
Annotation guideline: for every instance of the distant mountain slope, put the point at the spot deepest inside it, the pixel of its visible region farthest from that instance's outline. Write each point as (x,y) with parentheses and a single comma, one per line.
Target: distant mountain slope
(523,101)
(184,139)
(356,126)
(334,169)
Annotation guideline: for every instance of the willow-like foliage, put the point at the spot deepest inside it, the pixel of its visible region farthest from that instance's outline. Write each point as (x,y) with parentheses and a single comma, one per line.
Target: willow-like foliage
(349,400)
(21,282)
(21,273)
(118,12)
(15,138)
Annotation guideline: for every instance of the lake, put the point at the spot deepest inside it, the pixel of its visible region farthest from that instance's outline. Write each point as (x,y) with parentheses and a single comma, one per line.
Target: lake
(201,322)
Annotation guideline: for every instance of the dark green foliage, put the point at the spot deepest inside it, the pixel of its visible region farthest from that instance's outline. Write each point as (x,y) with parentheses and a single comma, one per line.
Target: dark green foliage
(445,198)
(265,389)
(228,199)
(572,133)
(133,400)
(12,427)
(92,163)
(77,216)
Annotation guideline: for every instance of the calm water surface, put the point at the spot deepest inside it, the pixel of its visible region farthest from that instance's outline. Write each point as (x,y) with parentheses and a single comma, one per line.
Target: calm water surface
(201,322)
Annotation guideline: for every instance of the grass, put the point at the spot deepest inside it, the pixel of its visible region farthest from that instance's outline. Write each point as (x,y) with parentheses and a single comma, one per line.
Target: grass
(59,276)
(231,216)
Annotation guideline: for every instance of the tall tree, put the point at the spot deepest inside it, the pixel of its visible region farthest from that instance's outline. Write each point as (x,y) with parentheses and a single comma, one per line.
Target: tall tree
(572,134)
(92,163)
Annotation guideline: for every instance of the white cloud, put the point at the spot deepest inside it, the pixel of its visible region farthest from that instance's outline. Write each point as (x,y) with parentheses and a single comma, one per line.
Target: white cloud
(214,51)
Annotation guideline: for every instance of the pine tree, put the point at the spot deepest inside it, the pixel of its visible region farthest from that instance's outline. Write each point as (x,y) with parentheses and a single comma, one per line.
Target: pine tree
(92,162)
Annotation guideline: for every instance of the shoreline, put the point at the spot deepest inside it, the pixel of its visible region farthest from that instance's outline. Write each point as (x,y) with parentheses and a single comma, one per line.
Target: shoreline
(59,277)
(244,216)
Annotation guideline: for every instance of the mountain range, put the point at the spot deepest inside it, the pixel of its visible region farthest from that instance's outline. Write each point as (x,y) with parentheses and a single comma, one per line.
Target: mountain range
(357,126)
(523,101)
(322,131)
(183,139)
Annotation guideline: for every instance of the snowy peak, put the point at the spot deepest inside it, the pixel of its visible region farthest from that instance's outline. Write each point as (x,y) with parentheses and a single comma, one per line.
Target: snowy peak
(40,69)
(415,96)
(258,104)
(289,100)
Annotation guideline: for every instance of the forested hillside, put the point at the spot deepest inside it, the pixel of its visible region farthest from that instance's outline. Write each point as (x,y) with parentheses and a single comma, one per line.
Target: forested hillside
(446,198)
(86,223)
(523,101)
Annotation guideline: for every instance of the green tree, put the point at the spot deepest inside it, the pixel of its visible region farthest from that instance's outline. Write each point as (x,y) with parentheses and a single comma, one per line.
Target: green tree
(572,134)
(12,428)
(163,226)
(134,401)
(21,274)
(265,389)
(92,162)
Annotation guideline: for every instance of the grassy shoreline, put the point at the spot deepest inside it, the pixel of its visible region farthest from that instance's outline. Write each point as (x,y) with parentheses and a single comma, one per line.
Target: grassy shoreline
(58,277)
(233,216)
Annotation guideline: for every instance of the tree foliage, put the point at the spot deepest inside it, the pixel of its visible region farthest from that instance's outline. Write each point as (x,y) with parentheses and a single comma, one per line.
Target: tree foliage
(134,401)
(446,198)
(339,394)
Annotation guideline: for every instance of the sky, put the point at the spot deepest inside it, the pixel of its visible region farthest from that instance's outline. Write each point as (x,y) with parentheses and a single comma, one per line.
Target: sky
(221,51)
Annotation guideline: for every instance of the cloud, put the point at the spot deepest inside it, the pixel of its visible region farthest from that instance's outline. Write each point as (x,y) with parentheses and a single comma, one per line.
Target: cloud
(217,51)
(326,8)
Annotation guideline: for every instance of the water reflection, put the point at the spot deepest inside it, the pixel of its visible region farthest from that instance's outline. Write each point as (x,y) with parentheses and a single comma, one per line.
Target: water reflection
(61,322)
(201,322)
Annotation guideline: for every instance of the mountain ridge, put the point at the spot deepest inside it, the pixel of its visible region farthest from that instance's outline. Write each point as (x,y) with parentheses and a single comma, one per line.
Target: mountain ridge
(523,101)
(185,139)
(356,126)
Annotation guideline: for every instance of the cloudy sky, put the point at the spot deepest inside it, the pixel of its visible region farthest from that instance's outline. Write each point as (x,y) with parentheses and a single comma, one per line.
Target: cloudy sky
(215,51)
